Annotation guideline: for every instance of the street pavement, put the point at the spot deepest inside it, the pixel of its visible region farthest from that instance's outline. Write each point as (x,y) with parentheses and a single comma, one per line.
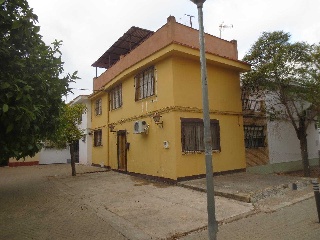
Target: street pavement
(298,221)
(33,207)
(46,202)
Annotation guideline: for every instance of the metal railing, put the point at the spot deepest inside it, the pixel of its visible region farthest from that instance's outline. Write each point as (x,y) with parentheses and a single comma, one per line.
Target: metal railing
(251,105)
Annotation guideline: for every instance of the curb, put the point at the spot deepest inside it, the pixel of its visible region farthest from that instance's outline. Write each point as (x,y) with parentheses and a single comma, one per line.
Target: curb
(253,197)
(239,196)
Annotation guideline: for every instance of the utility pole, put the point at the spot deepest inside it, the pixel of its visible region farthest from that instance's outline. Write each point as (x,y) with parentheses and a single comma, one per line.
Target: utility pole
(212,222)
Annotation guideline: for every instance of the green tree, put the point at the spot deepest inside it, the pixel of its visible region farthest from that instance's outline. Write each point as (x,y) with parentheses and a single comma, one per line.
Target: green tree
(288,73)
(68,131)
(31,86)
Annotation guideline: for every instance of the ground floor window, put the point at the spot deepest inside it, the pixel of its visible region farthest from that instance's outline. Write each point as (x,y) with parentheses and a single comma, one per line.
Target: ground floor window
(192,135)
(97,136)
(254,136)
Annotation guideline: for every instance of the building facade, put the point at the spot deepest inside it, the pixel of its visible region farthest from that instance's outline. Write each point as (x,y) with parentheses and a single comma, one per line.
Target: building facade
(83,147)
(147,106)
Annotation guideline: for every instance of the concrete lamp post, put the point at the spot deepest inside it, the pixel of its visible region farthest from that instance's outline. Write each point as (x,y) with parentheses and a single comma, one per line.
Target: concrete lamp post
(212,222)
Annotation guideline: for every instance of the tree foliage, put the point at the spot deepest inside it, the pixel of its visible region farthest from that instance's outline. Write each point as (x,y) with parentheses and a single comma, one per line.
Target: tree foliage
(289,73)
(68,131)
(31,86)
(69,120)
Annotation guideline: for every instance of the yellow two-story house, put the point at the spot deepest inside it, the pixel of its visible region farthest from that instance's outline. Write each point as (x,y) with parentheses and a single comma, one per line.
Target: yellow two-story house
(147,106)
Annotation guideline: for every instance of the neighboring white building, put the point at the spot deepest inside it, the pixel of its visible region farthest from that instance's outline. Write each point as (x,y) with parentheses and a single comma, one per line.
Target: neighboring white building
(45,156)
(85,144)
(49,155)
(284,146)
(272,145)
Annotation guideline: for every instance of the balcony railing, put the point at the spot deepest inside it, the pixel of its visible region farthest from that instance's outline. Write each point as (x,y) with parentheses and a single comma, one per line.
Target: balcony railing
(251,105)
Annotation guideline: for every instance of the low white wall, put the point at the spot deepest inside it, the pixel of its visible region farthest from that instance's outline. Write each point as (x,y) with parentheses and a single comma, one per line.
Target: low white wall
(284,145)
(84,151)
(50,156)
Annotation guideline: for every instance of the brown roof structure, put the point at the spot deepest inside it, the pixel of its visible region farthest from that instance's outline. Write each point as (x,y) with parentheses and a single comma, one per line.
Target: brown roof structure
(125,44)
(172,33)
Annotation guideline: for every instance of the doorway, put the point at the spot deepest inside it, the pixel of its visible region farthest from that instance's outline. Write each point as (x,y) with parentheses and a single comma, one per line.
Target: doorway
(76,151)
(122,150)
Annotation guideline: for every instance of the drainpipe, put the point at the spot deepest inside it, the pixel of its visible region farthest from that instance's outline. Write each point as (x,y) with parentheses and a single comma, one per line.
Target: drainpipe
(317,196)
(108,132)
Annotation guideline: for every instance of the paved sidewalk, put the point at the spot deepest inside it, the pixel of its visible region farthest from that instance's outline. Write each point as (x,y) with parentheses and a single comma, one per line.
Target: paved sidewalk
(295,222)
(141,209)
(46,202)
(33,207)
(250,187)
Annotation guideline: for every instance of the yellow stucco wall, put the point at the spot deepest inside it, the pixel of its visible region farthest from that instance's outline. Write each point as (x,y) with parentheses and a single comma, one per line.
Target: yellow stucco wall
(35,158)
(28,161)
(163,96)
(144,155)
(100,153)
(225,105)
(178,94)
(231,156)
(223,86)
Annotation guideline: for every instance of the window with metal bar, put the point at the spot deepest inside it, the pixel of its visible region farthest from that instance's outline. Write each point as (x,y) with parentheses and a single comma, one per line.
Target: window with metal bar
(98,107)
(97,138)
(192,135)
(254,136)
(144,84)
(115,97)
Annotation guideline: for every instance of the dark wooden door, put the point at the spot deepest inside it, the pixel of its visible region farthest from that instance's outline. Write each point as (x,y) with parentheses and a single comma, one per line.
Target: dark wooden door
(122,150)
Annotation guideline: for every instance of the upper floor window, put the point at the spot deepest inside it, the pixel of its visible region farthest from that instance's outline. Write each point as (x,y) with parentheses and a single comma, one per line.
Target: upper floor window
(192,134)
(254,136)
(97,138)
(144,84)
(115,97)
(98,107)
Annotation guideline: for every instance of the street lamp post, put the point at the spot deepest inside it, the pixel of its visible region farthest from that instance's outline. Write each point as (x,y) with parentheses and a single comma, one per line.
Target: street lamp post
(212,222)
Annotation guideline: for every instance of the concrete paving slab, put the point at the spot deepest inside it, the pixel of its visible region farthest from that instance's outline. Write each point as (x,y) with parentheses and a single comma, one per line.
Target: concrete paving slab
(249,187)
(33,207)
(128,207)
(156,210)
(297,221)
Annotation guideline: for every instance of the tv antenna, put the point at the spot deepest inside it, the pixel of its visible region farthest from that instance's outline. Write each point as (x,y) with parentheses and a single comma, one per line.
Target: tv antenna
(190,16)
(222,26)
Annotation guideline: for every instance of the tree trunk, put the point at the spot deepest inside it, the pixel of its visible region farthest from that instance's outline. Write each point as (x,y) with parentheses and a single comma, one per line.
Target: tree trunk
(73,162)
(304,155)
(304,147)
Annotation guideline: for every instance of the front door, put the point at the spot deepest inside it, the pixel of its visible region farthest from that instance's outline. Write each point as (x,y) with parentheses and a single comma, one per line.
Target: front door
(122,150)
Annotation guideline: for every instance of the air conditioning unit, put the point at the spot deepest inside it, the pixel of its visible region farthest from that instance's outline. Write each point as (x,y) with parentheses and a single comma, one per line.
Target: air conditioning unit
(140,127)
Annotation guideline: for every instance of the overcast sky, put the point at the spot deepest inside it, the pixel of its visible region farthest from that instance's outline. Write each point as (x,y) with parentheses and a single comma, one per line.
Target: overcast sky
(89,28)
